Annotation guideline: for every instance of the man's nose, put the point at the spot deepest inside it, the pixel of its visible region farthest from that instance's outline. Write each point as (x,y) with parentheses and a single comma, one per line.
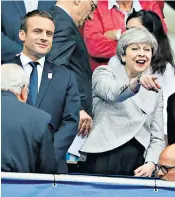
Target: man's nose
(160,173)
(43,36)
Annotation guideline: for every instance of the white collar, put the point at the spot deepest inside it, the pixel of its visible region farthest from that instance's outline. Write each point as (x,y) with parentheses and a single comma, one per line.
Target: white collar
(25,60)
(136,5)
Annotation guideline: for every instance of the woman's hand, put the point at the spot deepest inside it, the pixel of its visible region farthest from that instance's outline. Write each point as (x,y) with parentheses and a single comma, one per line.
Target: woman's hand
(145,170)
(149,82)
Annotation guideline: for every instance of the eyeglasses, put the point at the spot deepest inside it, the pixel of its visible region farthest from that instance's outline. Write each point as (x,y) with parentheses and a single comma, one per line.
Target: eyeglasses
(164,169)
(93,6)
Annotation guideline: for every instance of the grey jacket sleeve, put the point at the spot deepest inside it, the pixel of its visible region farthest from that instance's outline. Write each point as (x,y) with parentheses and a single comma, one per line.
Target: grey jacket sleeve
(108,87)
(157,142)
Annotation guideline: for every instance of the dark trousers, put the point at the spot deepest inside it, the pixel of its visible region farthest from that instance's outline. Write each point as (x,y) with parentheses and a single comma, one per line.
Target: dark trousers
(119,161)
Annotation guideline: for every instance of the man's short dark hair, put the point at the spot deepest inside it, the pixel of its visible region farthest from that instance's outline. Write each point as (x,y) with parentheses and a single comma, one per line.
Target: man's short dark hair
(33,13)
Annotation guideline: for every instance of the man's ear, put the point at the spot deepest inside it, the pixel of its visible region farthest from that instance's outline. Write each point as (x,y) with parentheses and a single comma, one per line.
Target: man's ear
(24,94)
(77,2)
(22,35)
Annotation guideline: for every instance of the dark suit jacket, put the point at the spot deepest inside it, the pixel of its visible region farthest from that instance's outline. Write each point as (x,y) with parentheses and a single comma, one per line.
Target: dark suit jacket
(12,13)
(69,49)
(171,119)
(59,97)
(27,143)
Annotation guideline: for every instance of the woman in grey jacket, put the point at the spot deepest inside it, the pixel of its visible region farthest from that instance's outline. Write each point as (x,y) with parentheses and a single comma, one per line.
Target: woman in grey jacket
(127,135)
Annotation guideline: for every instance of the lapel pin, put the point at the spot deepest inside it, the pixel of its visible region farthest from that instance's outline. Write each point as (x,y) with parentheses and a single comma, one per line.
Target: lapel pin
(49,75)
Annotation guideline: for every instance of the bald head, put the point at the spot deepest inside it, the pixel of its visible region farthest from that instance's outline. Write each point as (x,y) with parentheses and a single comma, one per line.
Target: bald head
(168,154)
(79,10)
(167,161)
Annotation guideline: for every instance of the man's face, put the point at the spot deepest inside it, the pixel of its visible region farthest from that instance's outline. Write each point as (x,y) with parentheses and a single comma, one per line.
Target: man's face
(163,172)
(37,41)
(86,9)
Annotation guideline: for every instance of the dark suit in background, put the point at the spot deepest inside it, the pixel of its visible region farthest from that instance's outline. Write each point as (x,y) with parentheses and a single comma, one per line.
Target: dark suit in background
(171,119)
(69,49)
(12,13)
(59,97)
(26,140)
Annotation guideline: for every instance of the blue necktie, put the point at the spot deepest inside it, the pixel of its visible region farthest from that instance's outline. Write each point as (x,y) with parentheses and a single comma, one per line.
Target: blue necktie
(33,86)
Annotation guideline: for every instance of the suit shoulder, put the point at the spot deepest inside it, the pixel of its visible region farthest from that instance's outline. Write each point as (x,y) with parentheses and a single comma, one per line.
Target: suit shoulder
(59,15)
(62,70)
(36,112)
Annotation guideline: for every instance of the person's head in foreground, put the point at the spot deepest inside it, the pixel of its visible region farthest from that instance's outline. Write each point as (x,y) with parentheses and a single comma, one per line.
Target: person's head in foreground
(14,79)
(166,166)
(135,50)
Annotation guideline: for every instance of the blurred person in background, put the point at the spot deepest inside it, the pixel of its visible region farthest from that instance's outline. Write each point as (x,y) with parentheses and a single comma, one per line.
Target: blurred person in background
(101,34)
(171,119)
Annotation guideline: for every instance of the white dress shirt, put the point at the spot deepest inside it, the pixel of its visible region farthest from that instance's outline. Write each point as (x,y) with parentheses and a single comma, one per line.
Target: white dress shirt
(30,5)
(28,68)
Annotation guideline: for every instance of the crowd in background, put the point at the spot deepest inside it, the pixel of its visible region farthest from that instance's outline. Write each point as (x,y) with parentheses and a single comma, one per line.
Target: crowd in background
(102,69)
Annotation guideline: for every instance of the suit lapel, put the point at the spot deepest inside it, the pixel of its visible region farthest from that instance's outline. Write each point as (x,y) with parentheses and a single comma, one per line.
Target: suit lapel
(45,81)
(18,61)
(20,7)
(140,99)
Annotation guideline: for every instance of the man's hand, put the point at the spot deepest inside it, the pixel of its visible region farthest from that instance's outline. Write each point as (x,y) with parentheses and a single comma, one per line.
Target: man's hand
(113,34)
(149,82)
(85,123)
(145,170)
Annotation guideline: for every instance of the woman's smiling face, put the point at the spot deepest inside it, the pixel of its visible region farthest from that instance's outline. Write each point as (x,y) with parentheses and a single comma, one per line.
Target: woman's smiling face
(138,57)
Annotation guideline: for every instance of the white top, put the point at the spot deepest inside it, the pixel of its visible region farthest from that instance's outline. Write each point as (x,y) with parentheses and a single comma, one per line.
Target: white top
(136,6)
(28,68)
(167,82)
(30,5)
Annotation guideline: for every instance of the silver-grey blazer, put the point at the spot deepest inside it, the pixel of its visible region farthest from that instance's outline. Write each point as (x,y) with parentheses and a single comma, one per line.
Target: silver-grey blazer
(120,115)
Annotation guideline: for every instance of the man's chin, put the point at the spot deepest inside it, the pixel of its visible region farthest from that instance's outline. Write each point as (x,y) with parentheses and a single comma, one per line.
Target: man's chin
(42,53)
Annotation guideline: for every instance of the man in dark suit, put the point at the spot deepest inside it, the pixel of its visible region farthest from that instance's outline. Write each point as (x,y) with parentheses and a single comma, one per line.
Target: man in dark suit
(11,14)
(171,119)
(26,139)
(69,49)
(52,88)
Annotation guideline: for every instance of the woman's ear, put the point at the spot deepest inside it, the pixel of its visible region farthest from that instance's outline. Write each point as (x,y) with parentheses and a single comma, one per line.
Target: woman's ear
(123,58)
